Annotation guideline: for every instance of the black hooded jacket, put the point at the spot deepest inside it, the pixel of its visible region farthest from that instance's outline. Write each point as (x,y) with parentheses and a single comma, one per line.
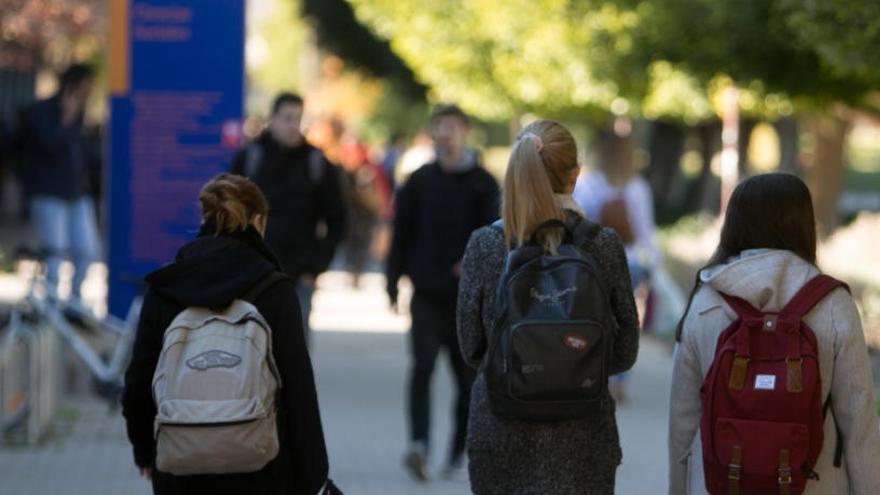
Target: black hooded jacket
(212,271)
(306,211)
(436,212)
(54,154)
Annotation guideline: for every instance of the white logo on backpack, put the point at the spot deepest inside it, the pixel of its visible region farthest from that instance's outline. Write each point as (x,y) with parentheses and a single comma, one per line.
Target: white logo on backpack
(214,389)
(765,382)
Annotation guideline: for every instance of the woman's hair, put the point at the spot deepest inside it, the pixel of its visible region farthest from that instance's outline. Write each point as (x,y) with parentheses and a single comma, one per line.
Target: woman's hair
(230,202)
(615,157)
(73,76)
(541,163)
(773,211)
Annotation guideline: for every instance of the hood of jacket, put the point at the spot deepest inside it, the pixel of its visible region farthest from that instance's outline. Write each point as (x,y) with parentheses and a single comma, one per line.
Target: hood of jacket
(214,270)
(766,278)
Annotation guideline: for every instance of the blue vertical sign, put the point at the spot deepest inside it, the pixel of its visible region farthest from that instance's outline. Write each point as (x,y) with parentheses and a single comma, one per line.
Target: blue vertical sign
(176,81)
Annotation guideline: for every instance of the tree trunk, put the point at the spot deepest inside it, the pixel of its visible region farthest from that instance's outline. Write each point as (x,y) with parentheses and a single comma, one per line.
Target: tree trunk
(787,129)
(730,162)
(704,194)
(826,165)
(666,144)
(746,126)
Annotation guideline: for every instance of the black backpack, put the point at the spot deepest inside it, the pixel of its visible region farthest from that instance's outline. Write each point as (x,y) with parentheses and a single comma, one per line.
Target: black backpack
(549,351)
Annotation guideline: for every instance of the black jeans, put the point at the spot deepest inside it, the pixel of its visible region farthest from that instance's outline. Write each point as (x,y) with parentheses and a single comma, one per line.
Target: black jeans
(433,328)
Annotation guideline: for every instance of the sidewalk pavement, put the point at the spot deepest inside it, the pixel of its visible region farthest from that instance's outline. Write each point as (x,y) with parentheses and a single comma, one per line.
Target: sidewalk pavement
(360,356)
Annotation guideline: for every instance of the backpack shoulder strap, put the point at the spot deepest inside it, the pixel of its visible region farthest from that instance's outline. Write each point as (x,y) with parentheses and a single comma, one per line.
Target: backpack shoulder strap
(316,166)
(741,307)
(838,447)
(263,285)
(498,226)
(810,294)
(585,232)
(253,158)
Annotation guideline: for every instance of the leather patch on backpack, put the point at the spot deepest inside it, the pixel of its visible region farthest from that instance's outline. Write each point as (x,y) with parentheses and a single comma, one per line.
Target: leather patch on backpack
(575,342)
(213,359)
(795,375)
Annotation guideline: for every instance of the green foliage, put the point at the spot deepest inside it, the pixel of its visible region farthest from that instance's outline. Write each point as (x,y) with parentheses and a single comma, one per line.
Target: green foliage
(656,58)
(274,46)
(674,94)
(750,41)
(689,226)
(340,33)
(844,33)
(394,113)
(502,59)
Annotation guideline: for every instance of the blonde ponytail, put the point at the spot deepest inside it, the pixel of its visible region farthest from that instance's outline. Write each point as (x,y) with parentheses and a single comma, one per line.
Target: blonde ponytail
(541,161)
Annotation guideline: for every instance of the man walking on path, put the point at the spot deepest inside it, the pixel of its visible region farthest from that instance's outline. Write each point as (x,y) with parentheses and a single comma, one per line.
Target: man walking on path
(306,214)
(437,209)
(56,177)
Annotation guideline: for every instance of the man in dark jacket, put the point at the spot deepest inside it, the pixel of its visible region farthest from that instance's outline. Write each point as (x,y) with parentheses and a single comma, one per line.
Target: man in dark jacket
(437,209)
(56,176)
(306,213)
(211,272)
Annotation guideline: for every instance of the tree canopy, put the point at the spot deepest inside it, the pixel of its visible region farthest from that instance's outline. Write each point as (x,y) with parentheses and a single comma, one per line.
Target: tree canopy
(645,57)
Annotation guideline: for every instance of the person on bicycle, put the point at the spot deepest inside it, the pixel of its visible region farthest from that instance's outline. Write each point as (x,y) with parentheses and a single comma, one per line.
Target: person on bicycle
(227,259)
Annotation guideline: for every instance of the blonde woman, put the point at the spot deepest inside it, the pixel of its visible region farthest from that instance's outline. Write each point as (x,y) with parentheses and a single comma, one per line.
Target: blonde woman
(510,456)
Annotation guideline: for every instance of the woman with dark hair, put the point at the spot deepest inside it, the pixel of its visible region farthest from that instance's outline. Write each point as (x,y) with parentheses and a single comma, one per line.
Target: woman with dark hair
(228,261)
(766,254)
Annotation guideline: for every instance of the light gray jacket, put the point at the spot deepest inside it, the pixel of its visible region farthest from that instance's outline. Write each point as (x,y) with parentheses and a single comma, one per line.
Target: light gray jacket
(768,279)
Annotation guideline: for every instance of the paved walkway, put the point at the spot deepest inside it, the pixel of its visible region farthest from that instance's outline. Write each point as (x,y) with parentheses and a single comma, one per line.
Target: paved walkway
(360,355)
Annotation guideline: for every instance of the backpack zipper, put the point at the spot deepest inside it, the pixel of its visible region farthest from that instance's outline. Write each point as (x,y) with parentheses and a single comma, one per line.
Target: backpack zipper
(210,425)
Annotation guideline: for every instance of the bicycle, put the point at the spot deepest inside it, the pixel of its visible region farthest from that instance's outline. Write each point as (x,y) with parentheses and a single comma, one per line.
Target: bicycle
(28,363)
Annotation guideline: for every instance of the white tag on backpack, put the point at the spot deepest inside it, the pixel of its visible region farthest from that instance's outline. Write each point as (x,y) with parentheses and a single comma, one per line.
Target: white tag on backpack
(765,382)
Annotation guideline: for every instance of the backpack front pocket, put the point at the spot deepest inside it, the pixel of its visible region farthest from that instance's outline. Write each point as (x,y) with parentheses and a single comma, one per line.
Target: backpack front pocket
(556,361)
(761,445)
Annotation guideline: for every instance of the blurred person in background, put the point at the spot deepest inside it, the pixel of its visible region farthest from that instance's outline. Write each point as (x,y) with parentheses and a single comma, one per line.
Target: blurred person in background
(368,199)
(393,153)
(420,152)
(306,217)
(326,135)
(436,210)
(56,158)
(614,195)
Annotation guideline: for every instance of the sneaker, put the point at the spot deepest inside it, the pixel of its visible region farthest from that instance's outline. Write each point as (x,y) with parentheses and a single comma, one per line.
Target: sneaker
(456,471)
(416,464)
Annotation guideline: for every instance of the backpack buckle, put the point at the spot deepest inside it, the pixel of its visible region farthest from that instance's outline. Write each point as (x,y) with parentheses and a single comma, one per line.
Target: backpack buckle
(784,477)
(771,321)
(734,472)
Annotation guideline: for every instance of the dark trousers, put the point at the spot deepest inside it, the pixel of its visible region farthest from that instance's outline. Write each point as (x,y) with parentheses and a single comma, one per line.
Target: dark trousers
(433,328)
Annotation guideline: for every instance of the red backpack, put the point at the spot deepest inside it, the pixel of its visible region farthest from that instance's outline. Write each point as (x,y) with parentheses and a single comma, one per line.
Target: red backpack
(762,423)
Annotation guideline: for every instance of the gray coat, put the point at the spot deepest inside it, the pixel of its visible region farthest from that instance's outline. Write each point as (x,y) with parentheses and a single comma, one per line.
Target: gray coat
(768,279)
(523,458)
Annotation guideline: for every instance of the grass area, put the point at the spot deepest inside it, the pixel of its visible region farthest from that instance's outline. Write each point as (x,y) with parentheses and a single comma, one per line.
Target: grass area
(7,263)
(858,180)
(865,155)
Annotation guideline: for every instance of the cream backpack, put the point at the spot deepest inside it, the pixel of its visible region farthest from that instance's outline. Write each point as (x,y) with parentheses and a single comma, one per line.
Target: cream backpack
(215,387)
